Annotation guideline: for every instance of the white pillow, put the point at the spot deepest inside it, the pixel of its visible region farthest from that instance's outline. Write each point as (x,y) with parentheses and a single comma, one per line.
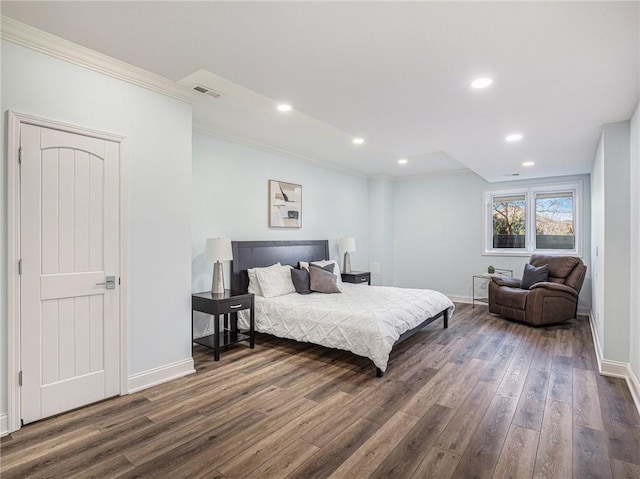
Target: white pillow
(325,262)
(254,285)
(275,281)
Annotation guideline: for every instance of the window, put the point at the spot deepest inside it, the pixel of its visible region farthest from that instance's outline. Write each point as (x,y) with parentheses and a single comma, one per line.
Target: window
(541,219)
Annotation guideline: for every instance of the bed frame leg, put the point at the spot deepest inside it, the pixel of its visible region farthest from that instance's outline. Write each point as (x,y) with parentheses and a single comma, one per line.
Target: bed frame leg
(446,318)
(379,373)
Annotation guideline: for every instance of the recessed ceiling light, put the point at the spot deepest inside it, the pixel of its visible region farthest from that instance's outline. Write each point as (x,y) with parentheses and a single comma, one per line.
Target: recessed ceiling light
(358,141)
(403,161)
(483,82)
(513,137)
(528,163)
(284,107)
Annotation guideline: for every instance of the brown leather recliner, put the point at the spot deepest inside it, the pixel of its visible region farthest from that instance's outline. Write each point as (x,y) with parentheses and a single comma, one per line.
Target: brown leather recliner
(549,302)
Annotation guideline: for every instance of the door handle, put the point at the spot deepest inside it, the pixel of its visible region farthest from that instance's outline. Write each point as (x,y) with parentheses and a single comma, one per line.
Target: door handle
(110,282)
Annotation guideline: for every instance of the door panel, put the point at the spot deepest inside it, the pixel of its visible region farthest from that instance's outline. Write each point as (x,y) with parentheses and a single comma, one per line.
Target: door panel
(70,336)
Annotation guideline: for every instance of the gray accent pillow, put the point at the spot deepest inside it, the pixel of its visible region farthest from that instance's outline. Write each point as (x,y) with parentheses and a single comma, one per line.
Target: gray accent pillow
(301,281)
(322,280)
(533,275)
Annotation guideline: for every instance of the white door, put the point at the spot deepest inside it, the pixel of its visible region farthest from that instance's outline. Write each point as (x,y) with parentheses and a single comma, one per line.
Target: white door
(69,244)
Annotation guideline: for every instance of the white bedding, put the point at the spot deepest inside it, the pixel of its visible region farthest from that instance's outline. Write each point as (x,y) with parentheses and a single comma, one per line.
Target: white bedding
(366,320)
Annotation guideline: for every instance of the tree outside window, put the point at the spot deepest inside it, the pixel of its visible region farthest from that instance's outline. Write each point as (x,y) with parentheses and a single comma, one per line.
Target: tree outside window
(509,222)
(554,221)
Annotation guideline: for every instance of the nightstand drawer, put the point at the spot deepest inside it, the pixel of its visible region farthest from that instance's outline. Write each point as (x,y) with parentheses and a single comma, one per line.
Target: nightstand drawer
(357,277)
(234,305)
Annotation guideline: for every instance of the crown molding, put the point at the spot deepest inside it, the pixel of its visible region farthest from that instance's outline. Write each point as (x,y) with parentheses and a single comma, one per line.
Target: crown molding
(27,36)
(278,151)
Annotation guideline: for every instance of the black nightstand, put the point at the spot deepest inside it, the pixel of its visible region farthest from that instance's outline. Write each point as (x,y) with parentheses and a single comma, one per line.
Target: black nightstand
(227,305)
(357,277)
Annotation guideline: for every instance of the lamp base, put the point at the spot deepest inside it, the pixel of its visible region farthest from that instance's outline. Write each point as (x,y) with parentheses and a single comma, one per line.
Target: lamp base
(346,266)
(217,282)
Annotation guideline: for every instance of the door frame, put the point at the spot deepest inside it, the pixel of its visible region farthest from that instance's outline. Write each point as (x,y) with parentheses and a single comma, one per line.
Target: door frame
(15,120)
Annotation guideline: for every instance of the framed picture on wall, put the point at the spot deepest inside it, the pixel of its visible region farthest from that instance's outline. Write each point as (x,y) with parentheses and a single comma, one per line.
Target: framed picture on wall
(285,205)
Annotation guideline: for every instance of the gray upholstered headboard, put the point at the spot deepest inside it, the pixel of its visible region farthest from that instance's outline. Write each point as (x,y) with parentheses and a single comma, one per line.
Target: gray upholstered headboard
(252,254)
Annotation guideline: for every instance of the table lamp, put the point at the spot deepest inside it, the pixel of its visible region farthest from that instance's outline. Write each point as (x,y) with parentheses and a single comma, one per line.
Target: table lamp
(217,250)
(346,246)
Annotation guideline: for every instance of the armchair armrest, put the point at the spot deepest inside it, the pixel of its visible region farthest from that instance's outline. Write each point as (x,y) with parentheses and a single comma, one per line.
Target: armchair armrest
(506,281)
(556,287)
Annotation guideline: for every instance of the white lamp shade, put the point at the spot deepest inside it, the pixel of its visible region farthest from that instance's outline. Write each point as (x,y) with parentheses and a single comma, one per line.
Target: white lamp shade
(218,249)
(347,245)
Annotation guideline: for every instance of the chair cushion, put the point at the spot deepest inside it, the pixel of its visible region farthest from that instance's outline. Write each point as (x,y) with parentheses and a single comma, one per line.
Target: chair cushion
(514,298)
(533,275)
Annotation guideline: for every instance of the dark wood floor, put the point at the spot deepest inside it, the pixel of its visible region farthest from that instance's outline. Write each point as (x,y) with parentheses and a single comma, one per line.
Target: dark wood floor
(485,398)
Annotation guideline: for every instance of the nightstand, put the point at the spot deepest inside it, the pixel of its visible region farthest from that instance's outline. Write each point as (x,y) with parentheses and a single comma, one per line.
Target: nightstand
(357,277)
(226,305)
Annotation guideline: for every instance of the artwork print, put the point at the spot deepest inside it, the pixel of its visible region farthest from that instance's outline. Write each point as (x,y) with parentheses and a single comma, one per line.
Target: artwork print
(285,205)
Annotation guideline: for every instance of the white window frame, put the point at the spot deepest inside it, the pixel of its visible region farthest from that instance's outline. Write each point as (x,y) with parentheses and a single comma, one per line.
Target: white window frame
(529,193)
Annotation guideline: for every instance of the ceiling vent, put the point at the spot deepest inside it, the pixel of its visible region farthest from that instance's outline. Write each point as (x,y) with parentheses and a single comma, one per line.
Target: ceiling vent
(207,91)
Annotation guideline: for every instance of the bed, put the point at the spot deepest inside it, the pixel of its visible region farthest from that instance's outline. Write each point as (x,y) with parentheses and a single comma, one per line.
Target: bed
(365,320)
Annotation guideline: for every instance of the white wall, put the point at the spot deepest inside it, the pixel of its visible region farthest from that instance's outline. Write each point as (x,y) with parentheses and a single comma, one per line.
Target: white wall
(230,200)
(612,240)
(634,293)
(597,240)
(158,129)
(438,233)
(381,230)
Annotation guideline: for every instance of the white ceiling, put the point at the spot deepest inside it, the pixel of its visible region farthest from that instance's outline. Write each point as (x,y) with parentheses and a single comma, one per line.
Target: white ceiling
(394,73)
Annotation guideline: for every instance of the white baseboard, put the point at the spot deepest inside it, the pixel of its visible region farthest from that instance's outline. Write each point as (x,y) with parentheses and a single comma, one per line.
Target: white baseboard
(596,339)
(4,425)
(634,386)
(615,369)
(152,377)
(460,299)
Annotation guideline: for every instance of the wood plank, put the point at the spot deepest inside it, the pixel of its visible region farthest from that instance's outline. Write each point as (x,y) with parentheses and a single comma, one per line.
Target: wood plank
(369,456)
(483,451)
(620,418)
(532,401)
(624,470)
(286,461)
(457,435)
(437,463)
(256,454)
(590,455)
(497,367)
(561,380)
(50,446)
(395,395)
(513,381)
(430,392)
(411,450)
(554,457)
(543,354)
(518,455)
(323,463)
(454,395)
(564,343)
(586,406)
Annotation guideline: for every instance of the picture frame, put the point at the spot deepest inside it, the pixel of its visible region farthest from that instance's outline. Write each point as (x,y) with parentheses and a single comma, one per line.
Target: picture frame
(285,204)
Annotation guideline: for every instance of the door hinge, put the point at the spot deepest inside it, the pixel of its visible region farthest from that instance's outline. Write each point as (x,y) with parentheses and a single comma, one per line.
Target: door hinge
(20,155)
(20,266)
(19,378)
(119,280)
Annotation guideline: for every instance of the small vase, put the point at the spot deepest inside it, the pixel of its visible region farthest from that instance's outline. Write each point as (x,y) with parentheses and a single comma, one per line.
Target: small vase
(491,270)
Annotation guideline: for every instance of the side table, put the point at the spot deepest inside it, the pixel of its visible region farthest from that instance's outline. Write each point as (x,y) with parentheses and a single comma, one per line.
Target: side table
(226,305)
(480,281)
